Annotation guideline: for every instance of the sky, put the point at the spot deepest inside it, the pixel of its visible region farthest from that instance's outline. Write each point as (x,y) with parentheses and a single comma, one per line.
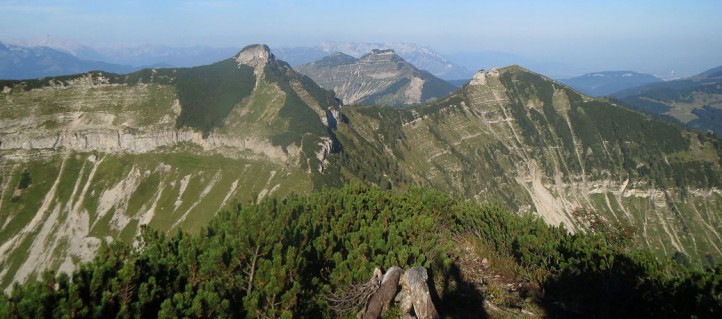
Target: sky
(595,34)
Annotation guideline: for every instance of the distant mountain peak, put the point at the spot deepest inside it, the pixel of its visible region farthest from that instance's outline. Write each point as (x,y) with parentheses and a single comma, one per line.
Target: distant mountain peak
(608,82)
(379,77)
(383,51)
(19,62)
(383,55)
(421,57)
(339,54)
(613,74)
(255,55)
(335,59)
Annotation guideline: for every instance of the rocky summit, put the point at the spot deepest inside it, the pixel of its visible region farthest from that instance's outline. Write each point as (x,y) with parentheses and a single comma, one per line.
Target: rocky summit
(379,77)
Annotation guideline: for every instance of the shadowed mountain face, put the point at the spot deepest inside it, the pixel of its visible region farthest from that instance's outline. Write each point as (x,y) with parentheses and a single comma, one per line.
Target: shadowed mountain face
(380,77)
(695,102)
(605,83)
(96,156)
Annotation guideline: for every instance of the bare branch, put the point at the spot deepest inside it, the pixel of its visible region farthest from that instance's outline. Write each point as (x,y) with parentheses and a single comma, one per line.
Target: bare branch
(356,297)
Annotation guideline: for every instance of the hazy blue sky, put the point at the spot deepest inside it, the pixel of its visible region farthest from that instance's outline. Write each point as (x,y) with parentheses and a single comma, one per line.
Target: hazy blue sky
(609,33)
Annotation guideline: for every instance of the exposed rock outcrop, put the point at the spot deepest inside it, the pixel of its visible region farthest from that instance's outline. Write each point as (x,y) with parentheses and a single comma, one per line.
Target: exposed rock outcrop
(112,140)
(480,77)
(256,55)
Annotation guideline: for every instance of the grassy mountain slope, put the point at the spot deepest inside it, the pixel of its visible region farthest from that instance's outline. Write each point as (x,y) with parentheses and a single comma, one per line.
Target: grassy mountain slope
(694,102)
(108,153)
(519,138)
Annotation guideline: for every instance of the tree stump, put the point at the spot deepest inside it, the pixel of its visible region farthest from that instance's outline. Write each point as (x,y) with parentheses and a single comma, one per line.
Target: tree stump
(381,300)
(376,296)
(414,298)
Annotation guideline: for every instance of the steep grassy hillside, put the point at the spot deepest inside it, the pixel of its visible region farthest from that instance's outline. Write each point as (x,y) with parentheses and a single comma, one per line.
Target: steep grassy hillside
(518,138)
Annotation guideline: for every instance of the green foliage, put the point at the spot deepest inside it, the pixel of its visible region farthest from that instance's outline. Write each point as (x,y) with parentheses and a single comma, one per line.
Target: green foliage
(273,259)
(301,118)
(278,258)
(590,274)
(25,180)
(619,235)
(208,93)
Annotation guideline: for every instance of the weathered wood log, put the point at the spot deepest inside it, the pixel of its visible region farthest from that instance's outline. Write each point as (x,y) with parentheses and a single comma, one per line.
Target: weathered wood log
(414,298)
(381,300)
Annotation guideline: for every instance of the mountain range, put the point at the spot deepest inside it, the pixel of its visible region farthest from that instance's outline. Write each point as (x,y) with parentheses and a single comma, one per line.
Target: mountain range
(18,62)
(422,57)
(136,55)
(379,77)
(605,83)
(93,157)
(695,102)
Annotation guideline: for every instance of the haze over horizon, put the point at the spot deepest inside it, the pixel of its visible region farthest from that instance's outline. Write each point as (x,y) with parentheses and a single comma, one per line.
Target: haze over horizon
(646,36)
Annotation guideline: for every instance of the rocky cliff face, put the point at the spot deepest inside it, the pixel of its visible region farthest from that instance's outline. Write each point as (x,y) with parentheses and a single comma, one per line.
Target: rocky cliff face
(108,154)
(380,77)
